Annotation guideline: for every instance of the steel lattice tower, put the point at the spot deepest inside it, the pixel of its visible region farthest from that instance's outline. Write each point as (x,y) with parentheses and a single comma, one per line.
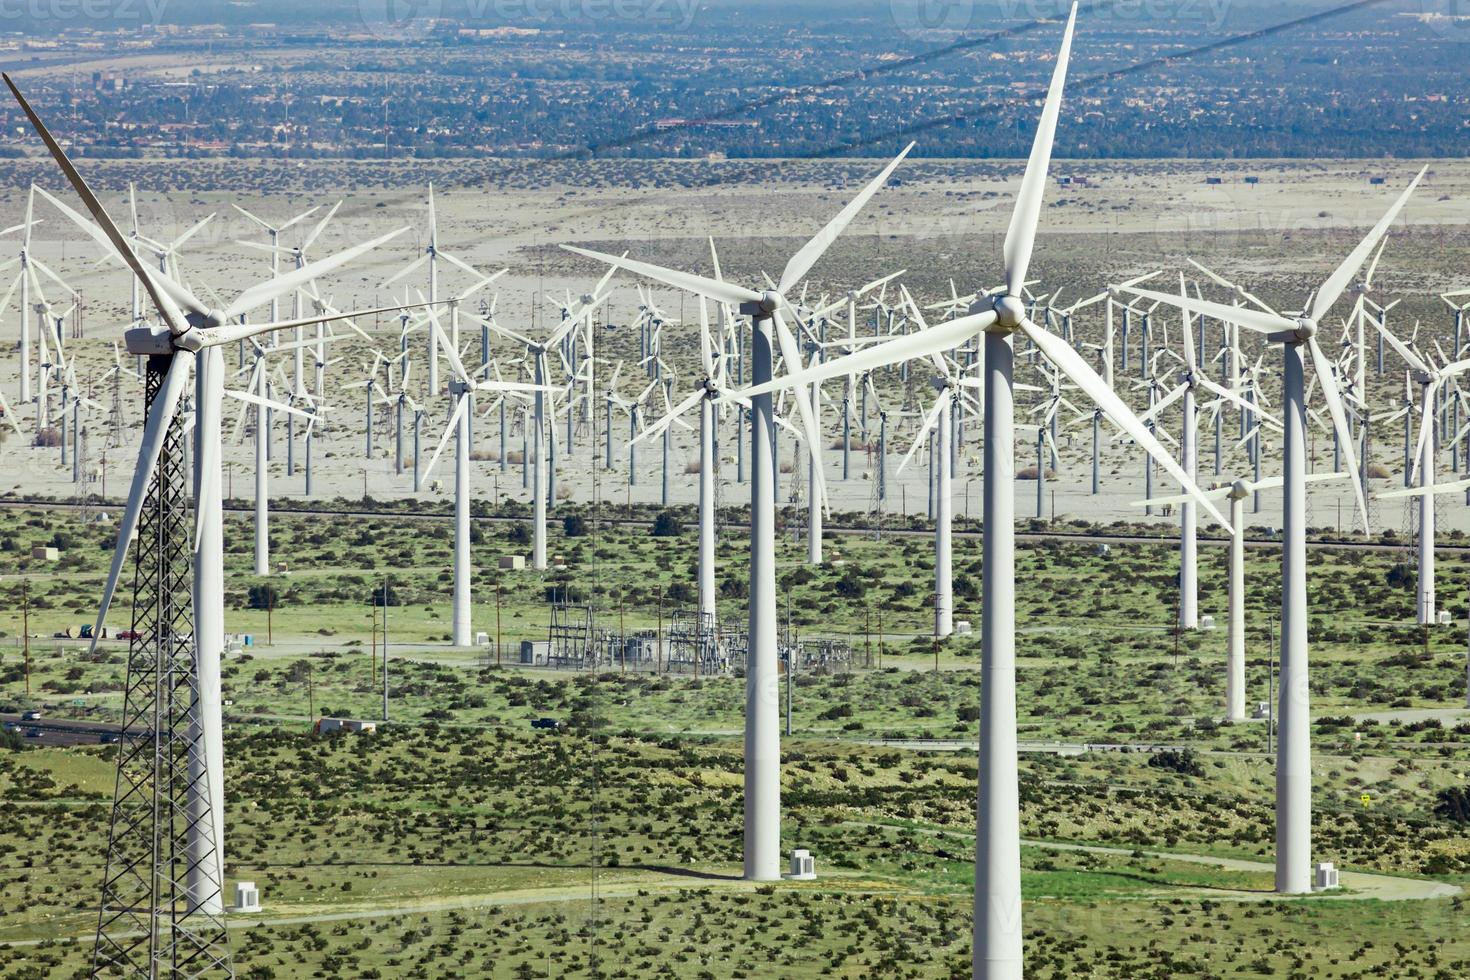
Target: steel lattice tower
(149,925)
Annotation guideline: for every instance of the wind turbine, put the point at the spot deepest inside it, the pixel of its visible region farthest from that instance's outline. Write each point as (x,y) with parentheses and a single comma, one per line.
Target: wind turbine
(762,717)
(1294,760)
(462,387)
(23,280)
(274,231)
(1430,378)
(1191,382)
(190,333)
(939,420)
(541,390)
(1236,492)
(712,388)
(432,255)
(998,936)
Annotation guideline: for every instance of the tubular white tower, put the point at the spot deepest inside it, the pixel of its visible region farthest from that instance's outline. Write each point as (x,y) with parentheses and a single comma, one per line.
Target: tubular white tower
(707,507)
(262,504)
(1188,545)
(943,505)
(1294,749)
(462,558)
(997,952)
(1425,604)
(207,842)
(1235,640)
(538,494)
(762,707)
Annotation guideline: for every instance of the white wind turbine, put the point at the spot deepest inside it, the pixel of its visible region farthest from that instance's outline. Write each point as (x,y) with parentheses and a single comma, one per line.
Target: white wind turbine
(1191,381)
(541,389)
(274,231)
(1430,378)
(1236,492)
(189,337)
(940,420)
(766,310)
(712,388)
(998,936)
(1424,492)
(432,255)
(23,280)
(462,386)
(1294,759)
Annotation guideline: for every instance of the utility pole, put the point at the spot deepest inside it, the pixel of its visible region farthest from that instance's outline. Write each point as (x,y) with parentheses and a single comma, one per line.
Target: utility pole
(310,696)
(658,637)
(374,645)
(497,624)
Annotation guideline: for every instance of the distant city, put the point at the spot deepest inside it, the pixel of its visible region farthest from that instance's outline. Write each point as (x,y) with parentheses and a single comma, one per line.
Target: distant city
(390,79)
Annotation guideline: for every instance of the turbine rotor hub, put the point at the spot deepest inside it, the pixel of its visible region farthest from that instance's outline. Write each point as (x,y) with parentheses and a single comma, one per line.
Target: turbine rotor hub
(770,301)
(1009,311)
(1239,490)
(1306,328)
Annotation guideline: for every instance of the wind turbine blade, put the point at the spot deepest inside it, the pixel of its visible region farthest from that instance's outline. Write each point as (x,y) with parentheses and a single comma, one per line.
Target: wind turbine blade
(401,273)
(1338,281)
(269,403)
(791,354)
(712,288)
(1021,235)
(1435,489)
(1323,368)
(941,404)
(264,292)
(167,295)
(160,417)
(670,416)
(801,263)
(98,212)
(317,229)
(1060,353)
(229,333)
(449,429)
(1410,358)
(903,347)
(1256,320)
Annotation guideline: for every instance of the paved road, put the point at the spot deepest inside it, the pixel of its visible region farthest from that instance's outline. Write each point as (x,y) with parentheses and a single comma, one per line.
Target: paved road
(1169,540)
(61,731)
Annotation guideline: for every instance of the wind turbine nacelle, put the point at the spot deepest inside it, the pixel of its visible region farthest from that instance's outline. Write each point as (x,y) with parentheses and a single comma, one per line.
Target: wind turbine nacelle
(149,341)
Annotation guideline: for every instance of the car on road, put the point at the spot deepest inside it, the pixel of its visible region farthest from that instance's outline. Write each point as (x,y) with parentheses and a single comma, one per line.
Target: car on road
(33,733)
(110,738)
(550,723)
(33,715)
(129,635)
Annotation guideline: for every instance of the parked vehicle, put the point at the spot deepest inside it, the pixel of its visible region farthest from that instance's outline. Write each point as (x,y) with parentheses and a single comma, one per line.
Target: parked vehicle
(551,723)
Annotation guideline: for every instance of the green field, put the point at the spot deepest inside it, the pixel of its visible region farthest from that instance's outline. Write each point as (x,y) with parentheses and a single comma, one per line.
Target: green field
(457,841)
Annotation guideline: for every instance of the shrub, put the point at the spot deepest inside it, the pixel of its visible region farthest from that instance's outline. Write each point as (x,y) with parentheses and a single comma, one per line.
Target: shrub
(666,525)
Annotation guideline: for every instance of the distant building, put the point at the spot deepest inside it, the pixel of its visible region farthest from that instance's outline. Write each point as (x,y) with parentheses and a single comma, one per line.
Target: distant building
(1252,180)
(1214,180)
(1377,180)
